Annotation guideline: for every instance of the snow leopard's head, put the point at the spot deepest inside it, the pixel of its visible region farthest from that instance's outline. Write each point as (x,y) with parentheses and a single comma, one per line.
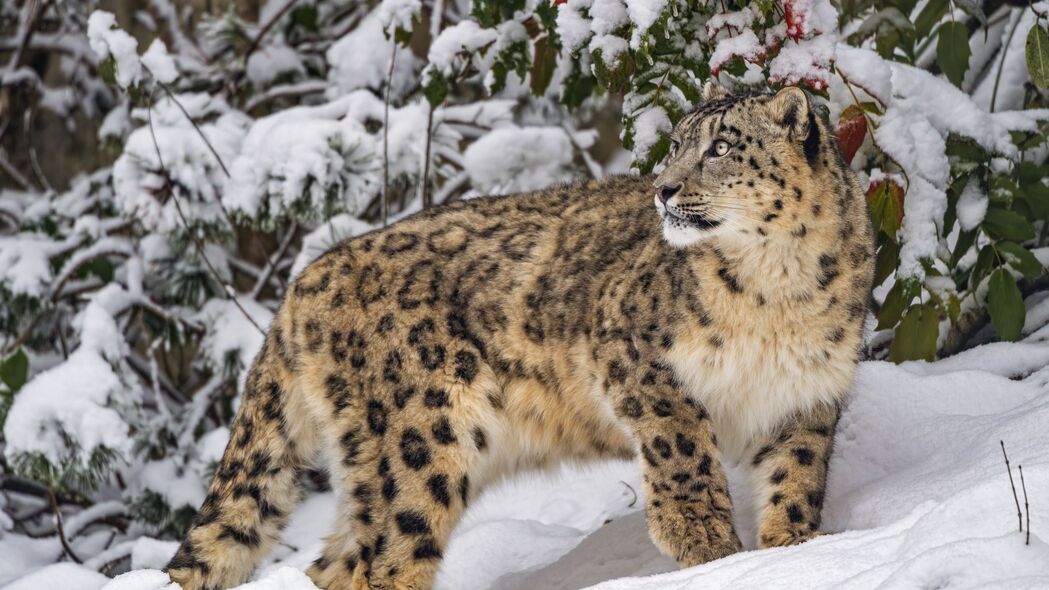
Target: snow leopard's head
(739,165)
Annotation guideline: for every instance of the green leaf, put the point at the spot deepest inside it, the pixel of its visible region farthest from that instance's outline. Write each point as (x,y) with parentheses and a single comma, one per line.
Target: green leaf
(984,263)
(896,301)
(885,264)
(1021,259)
(952,51)
(966,239)
(915,337)
(306,16)
(973,8)
(1006,305)
(1007,225)
(1037,53)
(543,65)
(107,70)
(929,16)
(436,89)
(14,370)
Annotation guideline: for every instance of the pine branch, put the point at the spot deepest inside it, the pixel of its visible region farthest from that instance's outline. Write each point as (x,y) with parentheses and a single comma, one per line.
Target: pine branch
(227,289)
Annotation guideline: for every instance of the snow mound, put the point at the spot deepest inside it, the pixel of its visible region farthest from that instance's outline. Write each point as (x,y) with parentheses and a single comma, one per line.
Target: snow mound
(918,497)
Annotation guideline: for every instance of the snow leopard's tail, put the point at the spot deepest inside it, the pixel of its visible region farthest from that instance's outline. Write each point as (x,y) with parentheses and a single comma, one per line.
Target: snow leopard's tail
(254,488)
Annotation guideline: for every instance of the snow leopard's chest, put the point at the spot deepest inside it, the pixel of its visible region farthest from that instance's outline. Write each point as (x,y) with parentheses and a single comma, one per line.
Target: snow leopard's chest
(754,374)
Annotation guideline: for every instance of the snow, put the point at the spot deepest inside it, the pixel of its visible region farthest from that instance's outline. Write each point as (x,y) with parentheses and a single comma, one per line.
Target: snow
(361,59)
(159,63)
(272,61)
(643,14)
(917,497)
(74,401)
(649,127)
(107,40)
(466,37)
(61,576)
(972,205)
(515,159)
(572,27)
(230,335)
(806,60)
(398,14)
(745,45)
(196,177)
(25,268)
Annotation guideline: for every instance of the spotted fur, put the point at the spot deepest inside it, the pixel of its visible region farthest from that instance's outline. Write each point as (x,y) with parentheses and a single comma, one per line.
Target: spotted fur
(425,360)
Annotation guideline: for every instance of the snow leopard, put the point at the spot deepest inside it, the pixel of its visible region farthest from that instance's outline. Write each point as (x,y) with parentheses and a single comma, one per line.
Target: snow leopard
(711,313)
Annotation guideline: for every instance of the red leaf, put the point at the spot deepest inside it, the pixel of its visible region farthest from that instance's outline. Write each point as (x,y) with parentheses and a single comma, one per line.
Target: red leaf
(795,20)
(852,128)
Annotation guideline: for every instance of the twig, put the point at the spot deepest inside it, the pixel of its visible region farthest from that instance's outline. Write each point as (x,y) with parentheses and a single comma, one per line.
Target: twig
(13,172)
(1019,515)
(425,180)
(1027,508)
(632,491)
(207,142)
(271,268)
(31,12)
(384,205)
(58,526)
(228,290)
(1001,62)
(266,29)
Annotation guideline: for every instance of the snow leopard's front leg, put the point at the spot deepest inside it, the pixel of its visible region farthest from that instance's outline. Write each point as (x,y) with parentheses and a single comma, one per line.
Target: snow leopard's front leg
(790,473)
(686,493)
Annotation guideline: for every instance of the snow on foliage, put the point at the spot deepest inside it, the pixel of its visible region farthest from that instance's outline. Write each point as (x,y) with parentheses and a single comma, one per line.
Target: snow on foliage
(74,413)
(511,159)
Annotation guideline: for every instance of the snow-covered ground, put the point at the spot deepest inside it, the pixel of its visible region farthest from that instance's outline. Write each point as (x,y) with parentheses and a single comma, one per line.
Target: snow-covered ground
(918,497)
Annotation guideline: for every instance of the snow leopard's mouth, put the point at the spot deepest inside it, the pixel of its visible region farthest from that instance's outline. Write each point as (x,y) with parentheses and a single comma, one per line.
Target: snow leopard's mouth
(695,220)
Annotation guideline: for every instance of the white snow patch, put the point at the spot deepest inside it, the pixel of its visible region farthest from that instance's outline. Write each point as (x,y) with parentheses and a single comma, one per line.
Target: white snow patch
(157,60)
(514,159)
(972,205)
(107,40)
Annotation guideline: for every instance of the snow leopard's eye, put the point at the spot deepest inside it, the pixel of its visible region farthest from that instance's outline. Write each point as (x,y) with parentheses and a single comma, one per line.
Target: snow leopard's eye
(719,148)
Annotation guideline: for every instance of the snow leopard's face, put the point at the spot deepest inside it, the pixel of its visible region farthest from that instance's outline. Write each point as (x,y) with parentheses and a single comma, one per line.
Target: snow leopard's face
(734,162)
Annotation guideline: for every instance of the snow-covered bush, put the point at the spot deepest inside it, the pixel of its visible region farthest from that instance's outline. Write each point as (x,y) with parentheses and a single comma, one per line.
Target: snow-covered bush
(237,146)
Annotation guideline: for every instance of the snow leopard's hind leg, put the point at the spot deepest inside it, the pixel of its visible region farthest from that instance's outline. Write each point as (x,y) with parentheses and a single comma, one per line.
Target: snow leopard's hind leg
(406,453)
(255,485)
(790,476)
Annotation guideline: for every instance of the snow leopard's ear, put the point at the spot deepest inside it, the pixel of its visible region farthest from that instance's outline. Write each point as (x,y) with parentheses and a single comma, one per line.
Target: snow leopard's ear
(790,109)
(713,91)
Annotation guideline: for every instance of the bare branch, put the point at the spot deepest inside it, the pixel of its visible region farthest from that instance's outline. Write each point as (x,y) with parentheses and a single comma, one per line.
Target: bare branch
(1027,508)
(266,29)
(271,268)
(58,525)
(384,205)
(1019,516)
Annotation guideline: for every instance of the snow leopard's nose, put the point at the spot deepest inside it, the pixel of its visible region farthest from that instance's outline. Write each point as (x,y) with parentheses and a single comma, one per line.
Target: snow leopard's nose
(666,192)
